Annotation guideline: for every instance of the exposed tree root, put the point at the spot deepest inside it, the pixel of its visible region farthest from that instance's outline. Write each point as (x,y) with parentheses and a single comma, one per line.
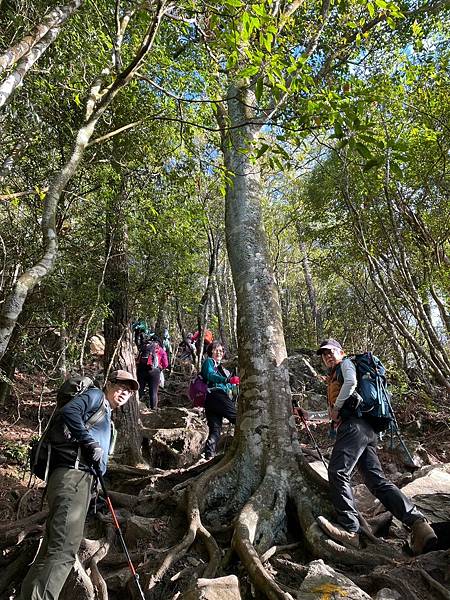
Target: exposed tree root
(251,561)
(12,533)
(410,579)
(97,579)
(195,526)
(219,482)
(440,590)
(333,552)
(256,523)
(18,565)
(276,549)
(78,585)
(36,485)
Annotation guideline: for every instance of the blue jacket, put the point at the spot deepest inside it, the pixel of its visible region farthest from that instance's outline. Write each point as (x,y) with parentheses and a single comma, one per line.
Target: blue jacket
(75,414)
(215,376)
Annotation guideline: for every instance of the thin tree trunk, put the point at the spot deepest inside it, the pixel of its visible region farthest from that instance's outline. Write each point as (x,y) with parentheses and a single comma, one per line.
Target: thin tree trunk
(63,337)
(53,20)
(161,320)
(445,316)
(204,305)
(220,315)
(34,275)
(389,288)
(9,161)
(98,102)
(230,309)
(15,79)
(310,287)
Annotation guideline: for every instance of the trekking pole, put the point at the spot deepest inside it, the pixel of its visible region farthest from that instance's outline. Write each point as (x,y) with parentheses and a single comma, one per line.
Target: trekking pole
(313,441)
(395,427)
(119,531)
(402,442)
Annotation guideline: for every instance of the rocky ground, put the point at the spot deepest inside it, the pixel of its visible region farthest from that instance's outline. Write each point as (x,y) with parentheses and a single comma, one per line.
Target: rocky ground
(173,440)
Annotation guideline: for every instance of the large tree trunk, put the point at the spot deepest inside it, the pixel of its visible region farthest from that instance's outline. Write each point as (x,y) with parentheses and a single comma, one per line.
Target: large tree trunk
(264,468)
(118,337)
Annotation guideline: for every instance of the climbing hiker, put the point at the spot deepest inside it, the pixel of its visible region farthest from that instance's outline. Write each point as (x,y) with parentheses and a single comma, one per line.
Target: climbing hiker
(140,329)
(151,360)
(163,360)
(208,338)
(220,401)
(167,346)
(74,459)
(356,446)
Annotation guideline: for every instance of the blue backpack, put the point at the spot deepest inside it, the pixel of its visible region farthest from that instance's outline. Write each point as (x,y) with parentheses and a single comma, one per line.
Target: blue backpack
(375,406)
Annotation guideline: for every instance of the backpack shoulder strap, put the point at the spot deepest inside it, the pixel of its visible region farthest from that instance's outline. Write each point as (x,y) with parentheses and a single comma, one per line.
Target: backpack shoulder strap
(338,374)
(338,371)
(98,415)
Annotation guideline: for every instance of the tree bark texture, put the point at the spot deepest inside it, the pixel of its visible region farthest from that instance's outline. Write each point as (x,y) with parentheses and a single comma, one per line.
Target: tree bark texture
(15,79)
(54,19)
(118,338)
(264,469)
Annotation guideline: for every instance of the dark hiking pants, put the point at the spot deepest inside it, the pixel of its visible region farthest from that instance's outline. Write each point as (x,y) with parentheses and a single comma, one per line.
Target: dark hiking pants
(356,445)
(150,377)
(68,496)
(218,405)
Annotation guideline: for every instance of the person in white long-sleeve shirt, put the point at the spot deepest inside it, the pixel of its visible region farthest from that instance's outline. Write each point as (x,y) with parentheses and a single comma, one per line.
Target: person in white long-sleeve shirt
(356,446)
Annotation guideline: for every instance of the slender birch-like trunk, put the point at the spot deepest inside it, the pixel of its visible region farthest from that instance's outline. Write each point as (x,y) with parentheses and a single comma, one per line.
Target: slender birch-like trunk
(54,19)
(99,100)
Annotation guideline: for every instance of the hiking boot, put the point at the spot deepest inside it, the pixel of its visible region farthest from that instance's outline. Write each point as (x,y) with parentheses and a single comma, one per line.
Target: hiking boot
(338,534)
(423,539)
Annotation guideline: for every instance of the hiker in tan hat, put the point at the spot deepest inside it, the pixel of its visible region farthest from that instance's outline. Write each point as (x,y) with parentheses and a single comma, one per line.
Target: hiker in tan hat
(74,460)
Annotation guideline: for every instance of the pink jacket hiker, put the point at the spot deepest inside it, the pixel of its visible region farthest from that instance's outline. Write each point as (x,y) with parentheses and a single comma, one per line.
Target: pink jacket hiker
(163,361)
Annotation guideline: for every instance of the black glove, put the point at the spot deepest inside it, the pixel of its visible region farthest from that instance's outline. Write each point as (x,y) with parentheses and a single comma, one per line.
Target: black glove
(93,452)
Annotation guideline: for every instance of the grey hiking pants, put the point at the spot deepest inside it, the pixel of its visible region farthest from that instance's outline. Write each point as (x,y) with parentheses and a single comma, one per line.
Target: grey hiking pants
(68,496)
(356,445)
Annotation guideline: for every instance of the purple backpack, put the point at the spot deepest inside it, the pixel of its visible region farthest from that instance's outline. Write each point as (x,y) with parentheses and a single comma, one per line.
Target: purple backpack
(197,392)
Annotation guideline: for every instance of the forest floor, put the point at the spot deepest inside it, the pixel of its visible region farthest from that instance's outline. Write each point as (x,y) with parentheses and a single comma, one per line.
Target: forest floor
(424,426)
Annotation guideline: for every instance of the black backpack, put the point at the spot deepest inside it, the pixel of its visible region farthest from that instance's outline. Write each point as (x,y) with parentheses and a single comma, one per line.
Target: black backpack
(148,356)
(374,403)
(72,387)
(56,435)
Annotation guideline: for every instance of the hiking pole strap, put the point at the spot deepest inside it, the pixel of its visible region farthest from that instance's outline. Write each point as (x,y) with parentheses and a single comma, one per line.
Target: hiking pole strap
(119,531)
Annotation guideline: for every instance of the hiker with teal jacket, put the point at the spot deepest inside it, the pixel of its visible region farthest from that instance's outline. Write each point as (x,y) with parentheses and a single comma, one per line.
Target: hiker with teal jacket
(220,402)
